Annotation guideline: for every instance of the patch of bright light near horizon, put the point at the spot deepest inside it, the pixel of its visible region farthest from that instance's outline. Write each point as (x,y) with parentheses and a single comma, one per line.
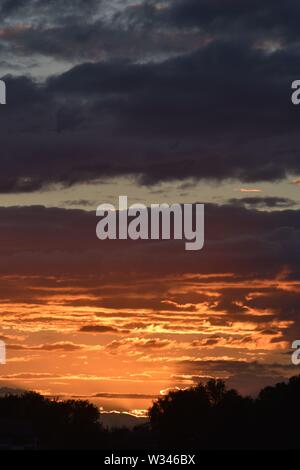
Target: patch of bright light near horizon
(138,413)
(165,391)
(249,190)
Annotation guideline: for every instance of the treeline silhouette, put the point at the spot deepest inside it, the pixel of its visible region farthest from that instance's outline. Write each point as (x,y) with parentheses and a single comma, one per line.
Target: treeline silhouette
(207,416)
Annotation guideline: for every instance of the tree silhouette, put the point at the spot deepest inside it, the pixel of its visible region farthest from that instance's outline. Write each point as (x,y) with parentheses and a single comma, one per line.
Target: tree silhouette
(70,424)
(206,416)
(212,417)
(197,416)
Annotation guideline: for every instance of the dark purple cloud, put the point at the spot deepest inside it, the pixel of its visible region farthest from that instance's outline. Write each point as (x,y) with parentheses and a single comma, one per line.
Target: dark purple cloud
(217,110)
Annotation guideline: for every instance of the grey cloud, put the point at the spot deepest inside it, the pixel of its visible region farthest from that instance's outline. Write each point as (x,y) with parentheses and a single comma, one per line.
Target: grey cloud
(247,377)
(263,202)
(160,121)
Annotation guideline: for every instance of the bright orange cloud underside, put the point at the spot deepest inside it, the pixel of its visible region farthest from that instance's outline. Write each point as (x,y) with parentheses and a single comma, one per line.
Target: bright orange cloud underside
(138,336)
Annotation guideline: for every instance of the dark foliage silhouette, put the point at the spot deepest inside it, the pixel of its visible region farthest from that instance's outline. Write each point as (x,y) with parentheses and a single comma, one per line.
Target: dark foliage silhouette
(212,417)
(54,424)
(206,416)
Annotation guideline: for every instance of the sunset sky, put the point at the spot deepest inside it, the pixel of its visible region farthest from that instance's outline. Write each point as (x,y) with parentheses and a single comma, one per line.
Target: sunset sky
(177,101)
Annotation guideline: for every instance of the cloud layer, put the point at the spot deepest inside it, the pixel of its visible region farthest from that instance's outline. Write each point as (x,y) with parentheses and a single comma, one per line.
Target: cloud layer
(229,311)
(219,109)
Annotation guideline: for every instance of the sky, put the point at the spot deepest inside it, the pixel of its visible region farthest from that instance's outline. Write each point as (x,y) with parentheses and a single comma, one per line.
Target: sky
(177,101)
